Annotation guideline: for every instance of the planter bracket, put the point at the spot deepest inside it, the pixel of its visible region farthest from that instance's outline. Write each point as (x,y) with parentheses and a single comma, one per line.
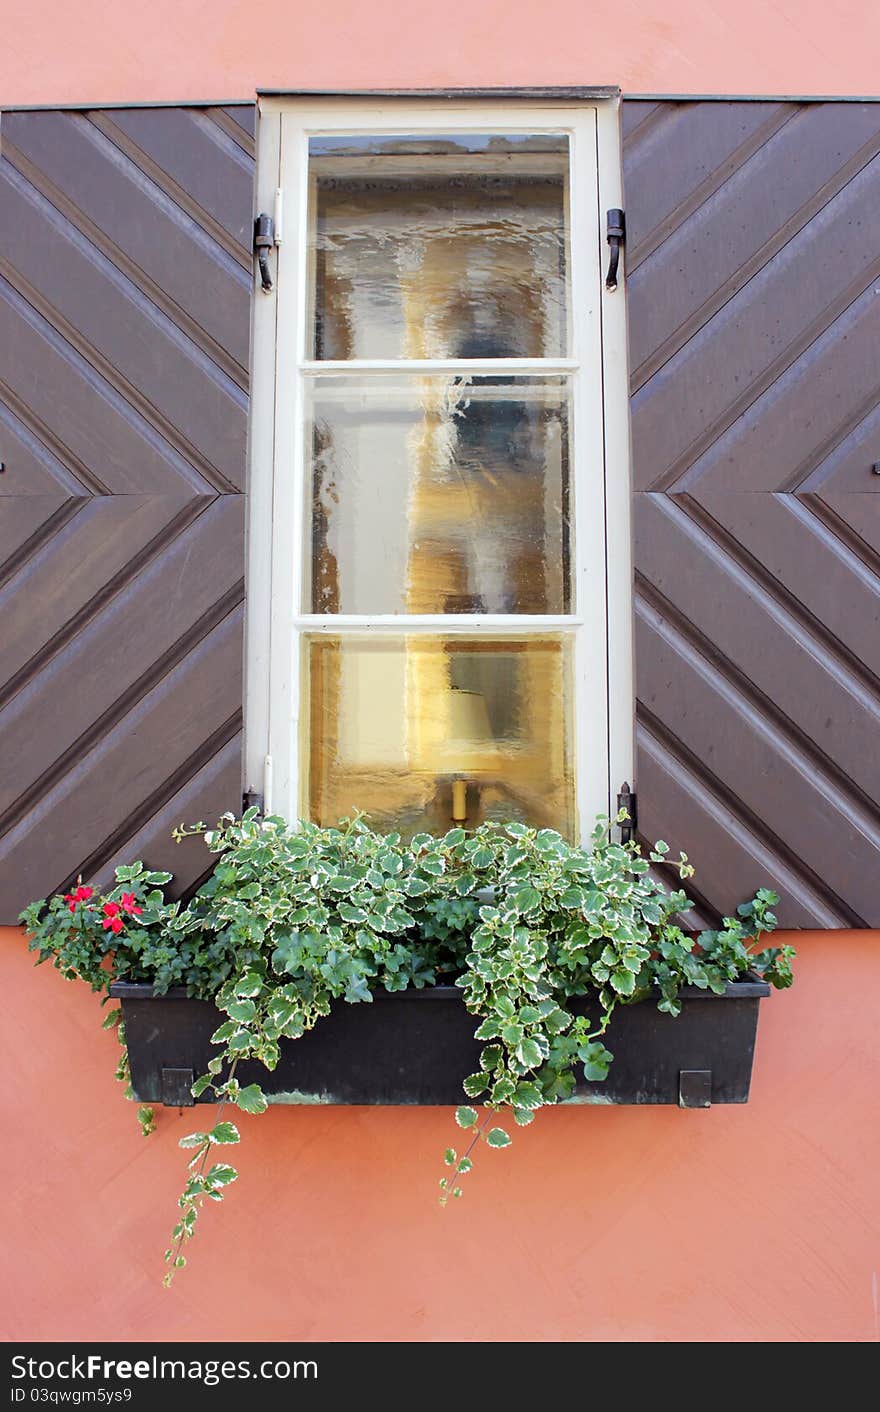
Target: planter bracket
(177,1088)
(695,1088)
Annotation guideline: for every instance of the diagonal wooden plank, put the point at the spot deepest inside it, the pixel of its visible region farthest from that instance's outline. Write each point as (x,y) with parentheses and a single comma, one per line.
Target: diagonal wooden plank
(857,518)
(136,347)
(751,758)
(201,798)
(800,664)
(732,854)
(823,578)
(26,522)
(680,155)
(86,421)
(170,733)
(755,322)
(31,468)
(177,594)
(125,283)
(204,168)
(796,433)
(90,559)
(757,335)
(846,467)
(104,195)
(704,262)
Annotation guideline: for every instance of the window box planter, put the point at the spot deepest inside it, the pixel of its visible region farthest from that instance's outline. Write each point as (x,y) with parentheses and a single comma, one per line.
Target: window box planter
(416,1046)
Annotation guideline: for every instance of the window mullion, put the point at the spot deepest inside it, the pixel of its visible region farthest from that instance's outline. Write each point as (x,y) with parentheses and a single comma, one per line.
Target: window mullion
(311,367)
(493,623)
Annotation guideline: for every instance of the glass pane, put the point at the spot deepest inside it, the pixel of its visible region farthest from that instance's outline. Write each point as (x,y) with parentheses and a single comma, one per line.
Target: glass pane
(422,731)
(441,247)
(438,494)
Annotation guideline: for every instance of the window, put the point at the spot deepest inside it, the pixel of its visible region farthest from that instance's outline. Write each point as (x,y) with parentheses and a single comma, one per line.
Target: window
(439,566)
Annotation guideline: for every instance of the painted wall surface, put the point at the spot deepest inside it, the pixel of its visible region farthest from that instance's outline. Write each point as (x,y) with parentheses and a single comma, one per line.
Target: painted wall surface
(739,1224)
(98,51)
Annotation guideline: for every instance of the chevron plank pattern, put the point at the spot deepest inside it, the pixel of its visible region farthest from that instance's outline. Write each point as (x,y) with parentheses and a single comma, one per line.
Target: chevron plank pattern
(753,265)
(753,272)
(125,285)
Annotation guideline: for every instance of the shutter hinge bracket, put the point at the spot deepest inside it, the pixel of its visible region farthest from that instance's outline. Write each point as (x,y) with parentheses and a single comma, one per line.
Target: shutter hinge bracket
(626,799)
(616,237)
(264,240)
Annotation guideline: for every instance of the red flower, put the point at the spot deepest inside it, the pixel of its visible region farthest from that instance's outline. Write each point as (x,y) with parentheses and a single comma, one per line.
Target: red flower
(80,894)
(129,905)
(112,919)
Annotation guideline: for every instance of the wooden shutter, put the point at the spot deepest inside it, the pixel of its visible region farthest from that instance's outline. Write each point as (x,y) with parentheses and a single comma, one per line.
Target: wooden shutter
(753,267)
(126,277)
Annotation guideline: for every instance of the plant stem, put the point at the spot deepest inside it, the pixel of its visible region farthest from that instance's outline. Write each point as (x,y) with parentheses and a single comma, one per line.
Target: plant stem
(456,1171)
(208,1145)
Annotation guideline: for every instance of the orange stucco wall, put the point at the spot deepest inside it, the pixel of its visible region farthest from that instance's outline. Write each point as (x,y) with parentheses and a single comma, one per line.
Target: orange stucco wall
(747,1223)
(100,51)
(737,1224)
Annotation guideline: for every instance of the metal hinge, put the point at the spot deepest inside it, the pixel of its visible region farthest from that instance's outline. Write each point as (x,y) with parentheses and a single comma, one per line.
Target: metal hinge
(268,232)
(626,799)
(616,237)
(251,799)
(264,240)
(255,799)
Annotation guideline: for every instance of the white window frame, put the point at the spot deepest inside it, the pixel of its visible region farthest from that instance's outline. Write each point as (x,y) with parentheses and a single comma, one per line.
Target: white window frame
(602,695)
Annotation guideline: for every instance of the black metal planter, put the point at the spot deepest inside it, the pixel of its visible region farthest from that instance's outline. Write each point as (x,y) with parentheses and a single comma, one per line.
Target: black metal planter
(416,1046)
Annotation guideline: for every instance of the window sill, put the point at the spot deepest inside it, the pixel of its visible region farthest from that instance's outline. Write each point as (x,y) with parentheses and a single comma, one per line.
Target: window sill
(416,1047)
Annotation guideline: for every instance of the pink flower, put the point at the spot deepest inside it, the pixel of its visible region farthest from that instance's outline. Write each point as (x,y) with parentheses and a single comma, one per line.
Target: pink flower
(129,905)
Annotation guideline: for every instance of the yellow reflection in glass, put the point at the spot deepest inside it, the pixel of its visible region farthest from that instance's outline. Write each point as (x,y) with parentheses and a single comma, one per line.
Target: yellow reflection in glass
(441,247)
(421,731)
(438,494)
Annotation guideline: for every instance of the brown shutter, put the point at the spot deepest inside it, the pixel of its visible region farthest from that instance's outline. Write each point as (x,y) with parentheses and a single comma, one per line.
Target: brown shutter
(753,268)
(125,285)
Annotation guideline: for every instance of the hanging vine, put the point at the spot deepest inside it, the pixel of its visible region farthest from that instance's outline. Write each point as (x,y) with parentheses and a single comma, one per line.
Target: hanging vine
(544,938)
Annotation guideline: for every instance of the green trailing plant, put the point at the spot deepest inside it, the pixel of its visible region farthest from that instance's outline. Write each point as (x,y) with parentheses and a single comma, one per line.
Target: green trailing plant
(544,938)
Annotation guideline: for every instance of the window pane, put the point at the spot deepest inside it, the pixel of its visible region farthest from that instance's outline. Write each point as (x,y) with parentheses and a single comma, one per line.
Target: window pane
(420,731)
(440,247)
(438,494)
